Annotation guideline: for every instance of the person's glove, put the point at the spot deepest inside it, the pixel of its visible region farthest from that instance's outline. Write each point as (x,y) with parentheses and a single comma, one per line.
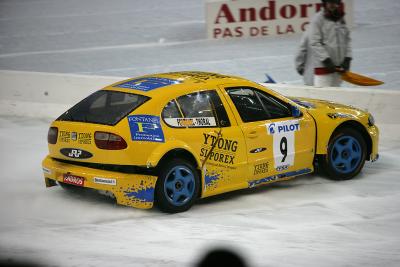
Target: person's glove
(328,64)
(300,70)
(346,64)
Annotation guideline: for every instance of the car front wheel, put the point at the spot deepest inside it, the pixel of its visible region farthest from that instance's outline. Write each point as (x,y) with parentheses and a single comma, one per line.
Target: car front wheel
(346,155)
(177,186)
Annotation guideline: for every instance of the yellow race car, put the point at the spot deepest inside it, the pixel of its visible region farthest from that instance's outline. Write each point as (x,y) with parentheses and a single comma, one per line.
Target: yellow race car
(172,138)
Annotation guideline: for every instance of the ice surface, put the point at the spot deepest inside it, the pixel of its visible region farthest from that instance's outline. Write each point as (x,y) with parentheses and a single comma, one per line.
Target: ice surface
(309,221)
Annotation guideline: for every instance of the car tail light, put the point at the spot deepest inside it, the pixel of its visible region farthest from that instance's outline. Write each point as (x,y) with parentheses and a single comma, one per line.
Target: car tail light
(52,135)
(109,141)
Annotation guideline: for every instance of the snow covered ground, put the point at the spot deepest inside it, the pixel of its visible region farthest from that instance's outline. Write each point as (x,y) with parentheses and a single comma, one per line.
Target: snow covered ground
(307,221)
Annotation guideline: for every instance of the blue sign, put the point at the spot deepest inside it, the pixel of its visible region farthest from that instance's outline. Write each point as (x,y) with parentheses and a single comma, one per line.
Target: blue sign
(147,84)
(146,128)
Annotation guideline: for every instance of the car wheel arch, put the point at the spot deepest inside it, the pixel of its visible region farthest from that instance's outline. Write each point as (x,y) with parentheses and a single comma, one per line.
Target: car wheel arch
(177,147)
(359,128)
(178,153)
(322,144)
(347,150)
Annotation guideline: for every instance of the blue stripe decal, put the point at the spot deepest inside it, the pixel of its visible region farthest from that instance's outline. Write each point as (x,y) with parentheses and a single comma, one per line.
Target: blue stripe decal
(147,84)
(277,177)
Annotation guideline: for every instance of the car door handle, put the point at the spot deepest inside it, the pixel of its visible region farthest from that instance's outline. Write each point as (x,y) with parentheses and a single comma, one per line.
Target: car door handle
(258,150)
(252,135)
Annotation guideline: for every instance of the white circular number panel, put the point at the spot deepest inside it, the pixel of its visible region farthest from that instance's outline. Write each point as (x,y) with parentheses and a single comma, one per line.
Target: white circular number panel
(284,142)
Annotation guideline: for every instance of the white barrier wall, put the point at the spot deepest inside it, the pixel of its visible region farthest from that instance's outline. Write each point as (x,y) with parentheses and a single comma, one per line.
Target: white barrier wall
(48,95)
(36,94)
(383,104)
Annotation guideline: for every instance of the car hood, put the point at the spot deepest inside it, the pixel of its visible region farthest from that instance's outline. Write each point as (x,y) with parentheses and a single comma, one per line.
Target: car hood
(332,109)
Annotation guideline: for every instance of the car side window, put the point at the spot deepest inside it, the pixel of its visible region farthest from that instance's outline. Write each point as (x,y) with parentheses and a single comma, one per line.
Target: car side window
(275,107)
(200,109)
(196,105)
(247,104)
(171,110)
(255,105)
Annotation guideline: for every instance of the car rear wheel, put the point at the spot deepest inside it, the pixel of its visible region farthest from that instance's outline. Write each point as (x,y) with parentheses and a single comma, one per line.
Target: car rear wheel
(177,187)
(346,155)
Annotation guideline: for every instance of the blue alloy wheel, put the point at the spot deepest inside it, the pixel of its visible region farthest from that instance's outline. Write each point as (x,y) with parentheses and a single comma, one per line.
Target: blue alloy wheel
(346,154)
(179,185)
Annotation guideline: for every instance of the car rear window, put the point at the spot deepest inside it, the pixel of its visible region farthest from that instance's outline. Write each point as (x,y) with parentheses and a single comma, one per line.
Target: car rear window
(104,107)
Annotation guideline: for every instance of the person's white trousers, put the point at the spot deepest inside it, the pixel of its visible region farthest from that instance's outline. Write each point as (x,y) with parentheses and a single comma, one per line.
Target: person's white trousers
(328,80)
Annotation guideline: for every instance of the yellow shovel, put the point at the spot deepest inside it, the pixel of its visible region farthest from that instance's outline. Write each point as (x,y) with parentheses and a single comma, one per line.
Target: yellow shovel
(358,79)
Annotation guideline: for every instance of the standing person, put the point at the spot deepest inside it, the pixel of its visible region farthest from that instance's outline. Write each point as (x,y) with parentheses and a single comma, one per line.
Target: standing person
(304,60)
(330,43)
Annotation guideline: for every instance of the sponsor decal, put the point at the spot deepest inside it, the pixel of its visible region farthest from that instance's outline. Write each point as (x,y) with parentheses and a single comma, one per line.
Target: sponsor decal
(227,19)
(85,138)
(277,177)
(81,138)
(74,180)
(260,168)
(340,116)
(64,136)
(224,149)
(199,75)
(191,122)
(46,171)
(74,136)
(283,127)
(282,168)
(146,128)
(147,84)
(76,153)
(107,181)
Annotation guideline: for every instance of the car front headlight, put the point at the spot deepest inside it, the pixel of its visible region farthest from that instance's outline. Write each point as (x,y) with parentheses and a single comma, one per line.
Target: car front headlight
(371,120)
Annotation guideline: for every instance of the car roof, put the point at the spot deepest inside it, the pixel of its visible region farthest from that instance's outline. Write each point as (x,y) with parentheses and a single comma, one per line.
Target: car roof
(174,83)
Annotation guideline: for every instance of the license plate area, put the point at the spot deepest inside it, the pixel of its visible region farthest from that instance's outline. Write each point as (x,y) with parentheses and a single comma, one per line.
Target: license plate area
(73,179)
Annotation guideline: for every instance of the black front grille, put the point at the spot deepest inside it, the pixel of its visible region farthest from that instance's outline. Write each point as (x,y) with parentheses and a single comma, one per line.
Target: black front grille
(111,167)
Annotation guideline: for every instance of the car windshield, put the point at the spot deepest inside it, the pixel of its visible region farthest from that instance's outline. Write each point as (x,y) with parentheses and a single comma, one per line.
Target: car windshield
(104,107)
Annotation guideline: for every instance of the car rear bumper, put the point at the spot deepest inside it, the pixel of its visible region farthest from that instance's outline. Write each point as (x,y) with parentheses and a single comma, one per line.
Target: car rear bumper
(135,190)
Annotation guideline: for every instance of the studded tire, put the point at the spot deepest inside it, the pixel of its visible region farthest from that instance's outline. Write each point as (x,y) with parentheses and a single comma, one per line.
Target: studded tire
(346,156)
(178,186)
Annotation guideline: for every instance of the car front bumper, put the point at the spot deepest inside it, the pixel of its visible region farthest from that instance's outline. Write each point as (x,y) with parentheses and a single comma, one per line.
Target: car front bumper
(135,190)
(374,134)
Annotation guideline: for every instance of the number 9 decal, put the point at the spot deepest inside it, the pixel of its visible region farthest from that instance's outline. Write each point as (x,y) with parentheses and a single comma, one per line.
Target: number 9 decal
(283,138)
(283,147)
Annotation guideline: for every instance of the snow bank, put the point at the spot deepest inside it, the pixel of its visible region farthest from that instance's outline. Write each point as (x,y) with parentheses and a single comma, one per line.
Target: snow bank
(36,94)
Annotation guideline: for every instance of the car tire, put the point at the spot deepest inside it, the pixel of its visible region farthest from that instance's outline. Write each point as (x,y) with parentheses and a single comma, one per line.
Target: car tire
(346,156)
(177,187)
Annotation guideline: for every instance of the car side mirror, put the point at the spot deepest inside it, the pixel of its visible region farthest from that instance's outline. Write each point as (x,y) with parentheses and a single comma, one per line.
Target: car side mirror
(296,112)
